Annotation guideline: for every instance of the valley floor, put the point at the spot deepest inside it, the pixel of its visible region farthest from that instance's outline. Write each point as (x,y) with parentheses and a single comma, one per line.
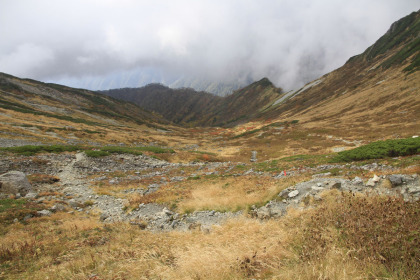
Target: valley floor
(127,216)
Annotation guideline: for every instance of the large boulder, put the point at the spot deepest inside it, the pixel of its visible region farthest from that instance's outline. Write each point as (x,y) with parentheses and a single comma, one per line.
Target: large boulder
(14,182)
(396,180)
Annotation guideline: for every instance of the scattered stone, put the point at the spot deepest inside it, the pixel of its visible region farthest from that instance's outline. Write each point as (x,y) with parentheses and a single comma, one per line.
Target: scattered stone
(293,193)
(27,217)
(316,188)
(336,185)
(414,190)
(370,183)
(177,179)
(31,195)
(73,203)
(14,182)
(167,212)
(396,180)
(44,212)
(357,181)
(103,217)
(57,207)
(326,174)
(284,193)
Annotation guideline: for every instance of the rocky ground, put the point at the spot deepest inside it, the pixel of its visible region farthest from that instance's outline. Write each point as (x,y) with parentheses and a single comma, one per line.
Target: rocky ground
(76,173)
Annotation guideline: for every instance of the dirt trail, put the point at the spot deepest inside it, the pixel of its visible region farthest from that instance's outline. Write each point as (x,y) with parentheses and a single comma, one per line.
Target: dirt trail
(74,185)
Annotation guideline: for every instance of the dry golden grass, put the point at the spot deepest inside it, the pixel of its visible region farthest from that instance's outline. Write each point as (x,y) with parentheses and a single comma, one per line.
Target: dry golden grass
(217,193)
(333,241)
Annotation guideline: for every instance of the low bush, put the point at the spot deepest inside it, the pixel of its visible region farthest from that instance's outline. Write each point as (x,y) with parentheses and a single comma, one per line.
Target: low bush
(382,149)
(30,150)
(93,153)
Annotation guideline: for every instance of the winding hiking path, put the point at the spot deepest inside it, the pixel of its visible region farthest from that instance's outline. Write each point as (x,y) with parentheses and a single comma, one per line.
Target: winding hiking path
(74,185)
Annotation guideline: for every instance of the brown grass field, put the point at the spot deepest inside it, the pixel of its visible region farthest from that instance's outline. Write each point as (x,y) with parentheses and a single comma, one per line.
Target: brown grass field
(327,242)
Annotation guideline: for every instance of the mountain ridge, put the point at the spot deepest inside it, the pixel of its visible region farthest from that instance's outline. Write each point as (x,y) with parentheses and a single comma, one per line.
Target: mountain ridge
(189,107)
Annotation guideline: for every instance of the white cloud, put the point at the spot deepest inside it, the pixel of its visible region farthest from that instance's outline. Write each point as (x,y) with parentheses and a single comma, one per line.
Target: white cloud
(26,59)
(289,41)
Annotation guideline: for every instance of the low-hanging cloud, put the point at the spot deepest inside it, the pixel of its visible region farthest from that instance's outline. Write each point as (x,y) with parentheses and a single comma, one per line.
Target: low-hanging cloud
(290,41)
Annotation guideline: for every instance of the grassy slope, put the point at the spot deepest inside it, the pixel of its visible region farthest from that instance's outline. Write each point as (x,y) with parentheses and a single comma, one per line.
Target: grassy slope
(372,95)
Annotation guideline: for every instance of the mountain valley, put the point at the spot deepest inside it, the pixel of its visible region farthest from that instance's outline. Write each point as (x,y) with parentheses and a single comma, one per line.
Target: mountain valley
(157,183)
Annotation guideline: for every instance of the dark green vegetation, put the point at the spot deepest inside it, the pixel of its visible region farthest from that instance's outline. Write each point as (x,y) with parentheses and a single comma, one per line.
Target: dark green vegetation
(383,230)
(404,31)
(6,204)
(104,151)
(382,149)
(29,150)
(95,153)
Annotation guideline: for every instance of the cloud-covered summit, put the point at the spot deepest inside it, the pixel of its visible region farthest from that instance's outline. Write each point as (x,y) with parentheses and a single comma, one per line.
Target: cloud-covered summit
(290,41)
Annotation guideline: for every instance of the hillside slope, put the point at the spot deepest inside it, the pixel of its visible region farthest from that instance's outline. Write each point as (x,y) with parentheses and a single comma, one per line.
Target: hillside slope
(53,113)
(377,90)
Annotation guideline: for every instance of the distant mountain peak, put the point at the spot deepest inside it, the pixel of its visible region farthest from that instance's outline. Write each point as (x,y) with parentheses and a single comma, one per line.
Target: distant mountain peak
(265,82)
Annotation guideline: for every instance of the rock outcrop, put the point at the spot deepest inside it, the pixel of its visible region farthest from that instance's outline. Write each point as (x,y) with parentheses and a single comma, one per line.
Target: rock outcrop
(14,182)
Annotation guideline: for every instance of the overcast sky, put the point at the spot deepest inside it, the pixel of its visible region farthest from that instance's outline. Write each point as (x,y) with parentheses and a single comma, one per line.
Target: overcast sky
(289,41)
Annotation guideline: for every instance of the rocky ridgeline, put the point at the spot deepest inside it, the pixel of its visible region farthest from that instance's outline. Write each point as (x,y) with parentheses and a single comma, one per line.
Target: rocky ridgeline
(73,171)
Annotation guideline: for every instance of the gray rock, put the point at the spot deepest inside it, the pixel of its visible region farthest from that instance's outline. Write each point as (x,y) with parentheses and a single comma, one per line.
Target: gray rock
(396,180)
(44,212)
(57,207)
(177,179)
(73,203)
(320,175)
(167,212)
(293,193)
(414,190)
(14,182)
(103,217)
(357,181)
(31,195)
(284,193)
(336,185)
(27,217)
(263,213)
(370,183)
